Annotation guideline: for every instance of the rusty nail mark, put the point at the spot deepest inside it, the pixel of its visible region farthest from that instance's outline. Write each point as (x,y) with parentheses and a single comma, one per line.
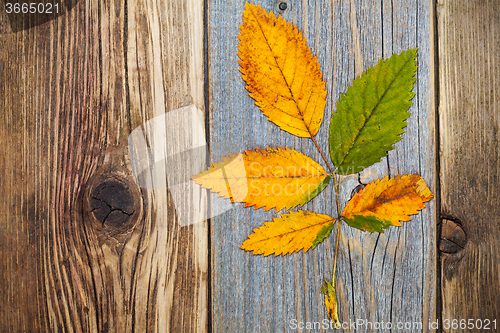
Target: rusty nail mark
(453,236)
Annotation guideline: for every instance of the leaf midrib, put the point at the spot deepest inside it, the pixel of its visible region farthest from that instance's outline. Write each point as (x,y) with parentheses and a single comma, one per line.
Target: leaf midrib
(261,177)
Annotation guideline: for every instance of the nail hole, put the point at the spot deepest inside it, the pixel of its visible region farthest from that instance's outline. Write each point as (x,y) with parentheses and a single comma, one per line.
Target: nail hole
(282,6)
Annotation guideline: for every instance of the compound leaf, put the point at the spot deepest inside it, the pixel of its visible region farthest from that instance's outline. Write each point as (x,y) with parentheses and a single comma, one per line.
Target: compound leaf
(386,202)
(290,233)
(281,73)
(371,115)
(272,178)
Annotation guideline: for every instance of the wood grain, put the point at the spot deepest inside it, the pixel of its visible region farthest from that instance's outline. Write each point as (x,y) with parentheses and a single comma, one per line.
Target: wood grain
(71,92)
(386,277)
(469,117)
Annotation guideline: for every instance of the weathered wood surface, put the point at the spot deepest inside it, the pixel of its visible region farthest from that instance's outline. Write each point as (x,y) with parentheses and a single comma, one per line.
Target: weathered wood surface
(469,118)
(386,277)
(71,92)
(73,89)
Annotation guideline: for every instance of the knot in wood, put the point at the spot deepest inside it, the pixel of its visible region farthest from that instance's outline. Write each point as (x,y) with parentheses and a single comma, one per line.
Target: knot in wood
(358,188)
(453,236)
(113,203)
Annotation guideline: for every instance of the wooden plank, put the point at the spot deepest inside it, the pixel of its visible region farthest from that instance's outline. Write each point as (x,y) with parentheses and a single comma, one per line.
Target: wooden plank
(387,277)
(85,246)
(469,117)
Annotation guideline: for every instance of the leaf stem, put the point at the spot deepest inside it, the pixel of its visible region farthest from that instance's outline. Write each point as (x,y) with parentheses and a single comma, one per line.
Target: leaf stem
(339,221)
(332,302)
(337,194)
(336,251)
(322,155)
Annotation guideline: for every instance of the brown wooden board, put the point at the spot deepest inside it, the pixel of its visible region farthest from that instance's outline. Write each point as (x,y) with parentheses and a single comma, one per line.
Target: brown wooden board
(85,246)
(469,117)
(386,277)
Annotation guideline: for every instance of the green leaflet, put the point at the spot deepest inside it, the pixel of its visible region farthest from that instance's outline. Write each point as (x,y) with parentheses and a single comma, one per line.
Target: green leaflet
(368,223)
(371,115)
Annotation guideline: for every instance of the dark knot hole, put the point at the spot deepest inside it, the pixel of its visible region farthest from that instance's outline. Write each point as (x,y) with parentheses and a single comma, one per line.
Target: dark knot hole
(112,203)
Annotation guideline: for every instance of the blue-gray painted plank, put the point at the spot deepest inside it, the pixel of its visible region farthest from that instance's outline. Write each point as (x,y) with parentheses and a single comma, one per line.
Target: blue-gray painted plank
(389,277)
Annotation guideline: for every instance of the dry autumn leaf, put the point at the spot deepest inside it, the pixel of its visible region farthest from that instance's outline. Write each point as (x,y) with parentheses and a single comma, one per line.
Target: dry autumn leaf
(290,233)
(331,305)
(281,73)
(386,202)
(279,178)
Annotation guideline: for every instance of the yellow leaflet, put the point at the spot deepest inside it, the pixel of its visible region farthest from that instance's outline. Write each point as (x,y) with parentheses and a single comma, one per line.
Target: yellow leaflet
(281,73)
(279,178)
(289,233)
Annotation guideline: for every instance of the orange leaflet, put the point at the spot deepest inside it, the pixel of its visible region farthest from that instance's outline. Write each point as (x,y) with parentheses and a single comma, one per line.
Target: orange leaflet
(290,233)
(279,178)
(281,73)
(391,200)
